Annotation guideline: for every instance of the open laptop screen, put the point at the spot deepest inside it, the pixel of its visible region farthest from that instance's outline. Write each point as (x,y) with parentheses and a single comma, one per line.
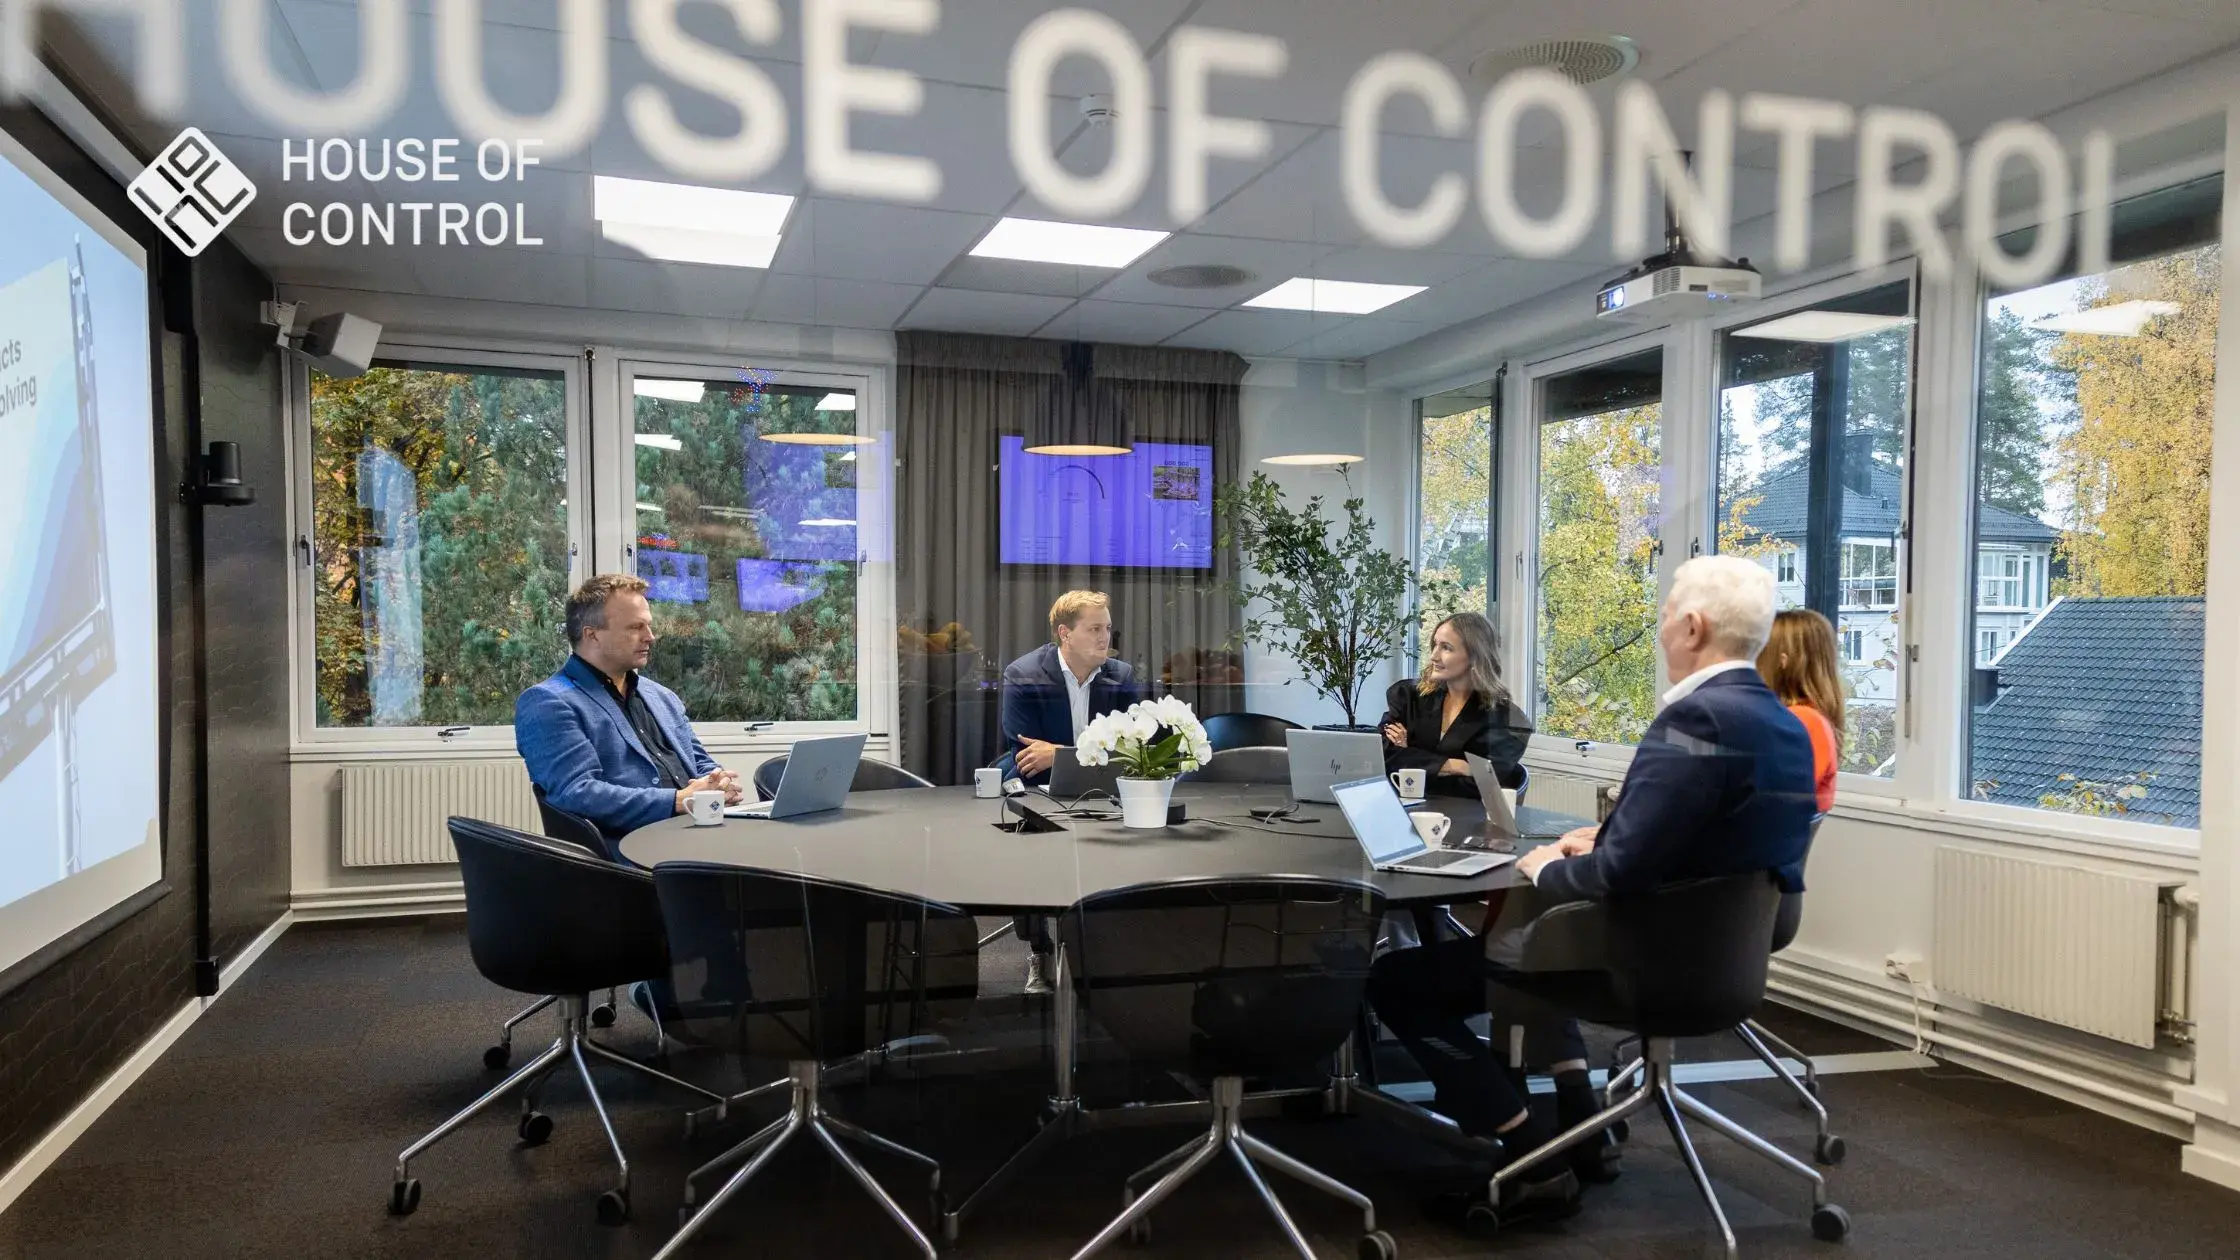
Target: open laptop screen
(1374,812)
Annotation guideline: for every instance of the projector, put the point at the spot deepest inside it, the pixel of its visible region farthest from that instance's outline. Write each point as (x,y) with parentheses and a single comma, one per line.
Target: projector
(1676,288)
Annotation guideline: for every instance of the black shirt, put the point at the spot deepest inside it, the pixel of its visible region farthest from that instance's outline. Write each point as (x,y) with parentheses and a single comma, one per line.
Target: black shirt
(1499,735)
(633,704)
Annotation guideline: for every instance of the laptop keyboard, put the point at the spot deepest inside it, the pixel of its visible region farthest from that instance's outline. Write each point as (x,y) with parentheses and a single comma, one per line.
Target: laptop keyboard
(1440,857)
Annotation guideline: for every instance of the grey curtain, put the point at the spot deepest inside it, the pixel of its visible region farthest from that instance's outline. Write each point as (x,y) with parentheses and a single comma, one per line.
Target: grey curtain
(964,614)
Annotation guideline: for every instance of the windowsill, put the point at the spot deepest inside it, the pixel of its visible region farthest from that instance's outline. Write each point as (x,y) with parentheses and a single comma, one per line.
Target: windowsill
(426,748)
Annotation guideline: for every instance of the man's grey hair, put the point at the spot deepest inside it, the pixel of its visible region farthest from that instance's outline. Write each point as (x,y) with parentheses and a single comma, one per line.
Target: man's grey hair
(1735,597)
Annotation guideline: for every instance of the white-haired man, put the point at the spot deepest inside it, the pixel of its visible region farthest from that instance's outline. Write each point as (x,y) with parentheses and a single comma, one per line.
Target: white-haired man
(1720,784)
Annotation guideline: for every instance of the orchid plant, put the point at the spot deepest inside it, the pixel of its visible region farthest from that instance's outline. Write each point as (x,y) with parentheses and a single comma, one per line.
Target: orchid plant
(1150,739)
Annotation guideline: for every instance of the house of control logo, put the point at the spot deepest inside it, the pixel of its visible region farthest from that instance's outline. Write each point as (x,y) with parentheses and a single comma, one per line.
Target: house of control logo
(192,191)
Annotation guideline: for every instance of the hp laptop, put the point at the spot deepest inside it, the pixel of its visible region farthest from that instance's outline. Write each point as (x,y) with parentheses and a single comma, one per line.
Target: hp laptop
(1070,780)
(1372,810)
(1322,759)
(818,775)
(1501,821)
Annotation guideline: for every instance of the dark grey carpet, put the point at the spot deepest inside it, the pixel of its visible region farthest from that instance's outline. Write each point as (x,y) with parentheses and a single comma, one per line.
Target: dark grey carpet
(270,1129)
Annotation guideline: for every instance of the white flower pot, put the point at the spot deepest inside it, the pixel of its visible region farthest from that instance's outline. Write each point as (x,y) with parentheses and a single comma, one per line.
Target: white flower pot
(1143,802)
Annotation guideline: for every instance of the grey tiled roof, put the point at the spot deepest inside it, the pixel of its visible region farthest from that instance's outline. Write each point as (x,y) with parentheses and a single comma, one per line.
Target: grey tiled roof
(2101,689)
(1783,496)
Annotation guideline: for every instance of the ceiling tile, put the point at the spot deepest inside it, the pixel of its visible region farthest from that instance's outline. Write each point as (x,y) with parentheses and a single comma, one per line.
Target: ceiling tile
(963,129)
(1089,151)
(1358,339)
(838,303)
(974,41)
(512,275)
(861,240)
(1299,199)
(1328,41)
(1255,332)
(1125,323)
(1010,275)
(963,310)
(1270,262)
(626,284)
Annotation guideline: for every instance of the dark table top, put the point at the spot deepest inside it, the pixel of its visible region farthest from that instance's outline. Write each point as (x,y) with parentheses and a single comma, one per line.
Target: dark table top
(940,843)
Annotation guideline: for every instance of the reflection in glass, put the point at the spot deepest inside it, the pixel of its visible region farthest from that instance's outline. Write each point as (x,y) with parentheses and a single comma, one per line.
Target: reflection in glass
(1454,491)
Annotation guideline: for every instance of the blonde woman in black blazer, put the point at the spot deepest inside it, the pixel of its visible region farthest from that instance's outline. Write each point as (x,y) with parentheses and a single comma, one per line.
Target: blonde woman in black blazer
(1458,706)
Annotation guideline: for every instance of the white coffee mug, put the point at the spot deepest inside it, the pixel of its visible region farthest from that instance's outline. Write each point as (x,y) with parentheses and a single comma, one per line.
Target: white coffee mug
(1431,825)
(706,808)
(1408,783)
(987,783)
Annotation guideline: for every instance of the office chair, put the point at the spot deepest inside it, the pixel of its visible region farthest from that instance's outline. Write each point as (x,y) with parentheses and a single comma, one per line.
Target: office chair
(579,831)
(1225,979)
(544,917)
(1686,960)
(871,776)
(1761,1041)
(1247,764)
(1246,730)
(814,972)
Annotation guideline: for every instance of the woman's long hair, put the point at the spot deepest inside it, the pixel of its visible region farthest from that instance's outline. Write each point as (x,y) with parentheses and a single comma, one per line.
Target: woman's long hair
(1799,663)
(1476,634)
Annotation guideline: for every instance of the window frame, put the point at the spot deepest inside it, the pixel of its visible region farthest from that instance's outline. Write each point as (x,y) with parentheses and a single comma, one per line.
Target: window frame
(1495,381)
(481,739)
(877,667)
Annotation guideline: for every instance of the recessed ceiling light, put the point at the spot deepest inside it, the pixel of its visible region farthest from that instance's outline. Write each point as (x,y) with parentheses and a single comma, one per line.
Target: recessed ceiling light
(817,439)
(1310,459)
(1824,326)
(837,402)
(674,391)
(661,441)
(1333,297)
(2120,319)
(1079,244)
(832,521)
(721,227)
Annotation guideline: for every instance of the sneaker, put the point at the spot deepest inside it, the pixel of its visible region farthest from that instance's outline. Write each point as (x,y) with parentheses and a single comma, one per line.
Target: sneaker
(1036,984)
(1547,1196)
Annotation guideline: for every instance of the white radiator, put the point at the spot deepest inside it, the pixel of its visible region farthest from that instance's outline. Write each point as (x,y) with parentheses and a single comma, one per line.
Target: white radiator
(1566,794)
(393,815)
(2084,948)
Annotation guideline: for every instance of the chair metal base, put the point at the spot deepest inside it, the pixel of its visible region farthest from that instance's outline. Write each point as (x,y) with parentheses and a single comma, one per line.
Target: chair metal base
(572,1044)
(1656,1090)
(1227,1134)
(806,1113)
(1770,1050)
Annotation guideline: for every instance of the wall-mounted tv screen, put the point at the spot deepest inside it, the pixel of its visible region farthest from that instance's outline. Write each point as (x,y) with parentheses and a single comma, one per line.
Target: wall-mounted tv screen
(1149,509)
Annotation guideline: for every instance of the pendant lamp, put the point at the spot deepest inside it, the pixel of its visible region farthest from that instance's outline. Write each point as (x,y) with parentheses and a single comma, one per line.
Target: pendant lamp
(1083,416)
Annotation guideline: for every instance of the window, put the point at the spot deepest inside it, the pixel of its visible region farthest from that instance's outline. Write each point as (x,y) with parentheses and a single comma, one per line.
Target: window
(1870,575)
(1454,493)
(2092,513)
(1987,646)
(1813,408)
(747,526)
(439,542)
(1601,462)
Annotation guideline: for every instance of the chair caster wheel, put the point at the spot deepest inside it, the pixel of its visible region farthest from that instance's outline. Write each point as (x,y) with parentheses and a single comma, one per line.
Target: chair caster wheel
(536,1128)
(1620,1130)
(1830,1223)
(404,1197)
(497,1056)
(602,1015)
(1828,1150)
(614,1207)
(1377,1245)
(1481,1221)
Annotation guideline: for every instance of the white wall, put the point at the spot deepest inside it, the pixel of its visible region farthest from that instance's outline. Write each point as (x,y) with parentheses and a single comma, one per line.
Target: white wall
(1326,398)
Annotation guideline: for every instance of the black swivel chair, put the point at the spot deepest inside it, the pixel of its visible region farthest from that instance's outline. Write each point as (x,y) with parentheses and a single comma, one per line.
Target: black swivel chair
(871,776)
(1251,764)
(1686,960)
(544,917)
(1246,730)
(1226,979)
(579,831)
(814,972)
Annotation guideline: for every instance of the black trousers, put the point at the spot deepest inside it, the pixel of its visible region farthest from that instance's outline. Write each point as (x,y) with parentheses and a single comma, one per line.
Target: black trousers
(1034,929)
(1425,995)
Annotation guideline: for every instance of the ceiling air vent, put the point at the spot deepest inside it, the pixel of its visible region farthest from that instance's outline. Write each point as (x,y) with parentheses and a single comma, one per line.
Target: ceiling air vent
(1201,276)
(1585,59)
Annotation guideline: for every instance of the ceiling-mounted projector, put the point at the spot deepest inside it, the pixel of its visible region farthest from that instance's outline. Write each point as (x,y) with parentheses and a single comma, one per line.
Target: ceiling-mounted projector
(1679,283)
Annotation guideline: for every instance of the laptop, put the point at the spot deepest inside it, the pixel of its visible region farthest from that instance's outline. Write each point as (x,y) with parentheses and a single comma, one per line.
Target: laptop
(1501,821)
(1070,780)
(1322,759)
(817,777)
(1372,810)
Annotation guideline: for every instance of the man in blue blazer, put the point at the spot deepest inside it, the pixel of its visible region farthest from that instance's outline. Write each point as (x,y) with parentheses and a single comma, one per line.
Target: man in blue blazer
(1720,784)
(1051,693)
(601,739)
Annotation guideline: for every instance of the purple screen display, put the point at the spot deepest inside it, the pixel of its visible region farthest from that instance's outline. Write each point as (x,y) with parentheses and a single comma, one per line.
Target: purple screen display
(1149,509)
(804,497)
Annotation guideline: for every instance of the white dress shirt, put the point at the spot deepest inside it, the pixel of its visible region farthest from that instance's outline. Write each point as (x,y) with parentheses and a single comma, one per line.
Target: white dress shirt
(1679,691)
(1077,696)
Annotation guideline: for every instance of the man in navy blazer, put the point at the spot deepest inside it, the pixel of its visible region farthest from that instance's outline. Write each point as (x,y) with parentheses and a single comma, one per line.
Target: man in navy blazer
(1052,692)
(602,740)
(1720,784)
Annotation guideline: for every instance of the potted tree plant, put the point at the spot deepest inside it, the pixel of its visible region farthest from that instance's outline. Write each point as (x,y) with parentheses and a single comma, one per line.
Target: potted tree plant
(1321,591)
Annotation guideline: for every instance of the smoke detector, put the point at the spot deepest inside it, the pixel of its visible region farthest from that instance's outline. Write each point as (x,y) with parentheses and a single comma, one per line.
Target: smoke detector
(1097,109)
(1201,276)
(1582,59)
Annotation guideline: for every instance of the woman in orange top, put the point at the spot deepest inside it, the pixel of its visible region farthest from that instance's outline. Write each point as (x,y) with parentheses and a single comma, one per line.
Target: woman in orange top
(1799,664)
